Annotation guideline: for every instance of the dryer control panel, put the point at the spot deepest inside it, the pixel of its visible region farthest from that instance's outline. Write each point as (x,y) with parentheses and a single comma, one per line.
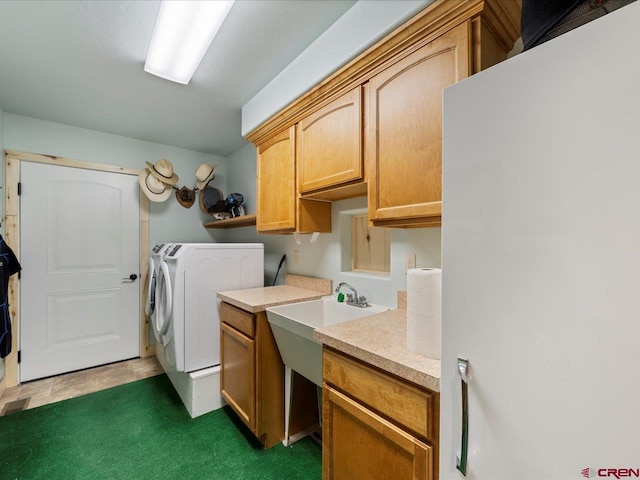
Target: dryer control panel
(157,248)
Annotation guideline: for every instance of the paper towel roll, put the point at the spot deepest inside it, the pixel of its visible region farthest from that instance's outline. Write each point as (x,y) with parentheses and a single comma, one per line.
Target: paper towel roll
(424,311)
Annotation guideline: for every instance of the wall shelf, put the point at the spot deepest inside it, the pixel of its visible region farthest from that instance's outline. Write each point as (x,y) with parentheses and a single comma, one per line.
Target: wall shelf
(243,221)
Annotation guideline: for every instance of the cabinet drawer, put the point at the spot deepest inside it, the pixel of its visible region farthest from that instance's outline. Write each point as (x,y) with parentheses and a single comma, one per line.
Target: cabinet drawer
(241,320)
(405,404)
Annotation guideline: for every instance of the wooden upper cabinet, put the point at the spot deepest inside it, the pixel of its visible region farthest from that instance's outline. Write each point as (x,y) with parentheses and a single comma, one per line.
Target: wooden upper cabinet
(276,188)
(405,132)
(383,137)
(329,144)
(280,210)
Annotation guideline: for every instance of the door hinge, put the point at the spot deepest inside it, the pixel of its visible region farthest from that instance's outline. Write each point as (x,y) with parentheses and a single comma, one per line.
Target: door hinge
(19,188)
(19,356)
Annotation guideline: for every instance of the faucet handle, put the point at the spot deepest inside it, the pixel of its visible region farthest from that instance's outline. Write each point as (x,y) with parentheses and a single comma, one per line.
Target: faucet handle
(362,301)
(349,297)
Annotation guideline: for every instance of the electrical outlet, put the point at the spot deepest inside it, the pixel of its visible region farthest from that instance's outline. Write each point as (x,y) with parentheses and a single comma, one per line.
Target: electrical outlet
(409,261)
(296,256)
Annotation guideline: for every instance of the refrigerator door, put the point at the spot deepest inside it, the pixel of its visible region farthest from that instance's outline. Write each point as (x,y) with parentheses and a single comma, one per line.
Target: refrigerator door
(541,260)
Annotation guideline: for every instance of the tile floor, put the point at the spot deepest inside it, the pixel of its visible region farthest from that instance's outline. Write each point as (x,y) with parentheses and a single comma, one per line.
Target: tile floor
(54,389)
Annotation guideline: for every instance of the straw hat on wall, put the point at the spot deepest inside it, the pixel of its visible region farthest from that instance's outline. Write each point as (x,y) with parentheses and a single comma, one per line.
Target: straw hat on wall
(204,174)
(163,171)
(154,189)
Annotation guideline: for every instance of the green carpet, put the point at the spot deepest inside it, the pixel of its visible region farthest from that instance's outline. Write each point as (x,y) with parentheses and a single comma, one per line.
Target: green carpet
(142,431)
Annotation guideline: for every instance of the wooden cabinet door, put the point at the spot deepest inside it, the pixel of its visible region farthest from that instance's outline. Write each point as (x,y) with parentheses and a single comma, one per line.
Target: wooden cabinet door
(360,445)
(238,373)
(329,144)
(270,385)
(276,188)
(404,134)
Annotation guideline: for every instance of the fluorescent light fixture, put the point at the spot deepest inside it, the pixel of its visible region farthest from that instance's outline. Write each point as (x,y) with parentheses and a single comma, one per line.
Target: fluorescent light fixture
(184,30)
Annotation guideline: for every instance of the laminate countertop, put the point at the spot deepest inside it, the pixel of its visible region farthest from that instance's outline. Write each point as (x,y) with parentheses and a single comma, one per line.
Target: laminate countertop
(381,340)
(259,299)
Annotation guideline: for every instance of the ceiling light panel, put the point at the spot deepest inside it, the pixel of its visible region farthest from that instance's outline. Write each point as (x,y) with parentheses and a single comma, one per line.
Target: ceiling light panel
(184,30)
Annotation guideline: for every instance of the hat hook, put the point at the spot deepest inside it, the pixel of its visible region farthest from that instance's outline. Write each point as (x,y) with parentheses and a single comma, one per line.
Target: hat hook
(195,189)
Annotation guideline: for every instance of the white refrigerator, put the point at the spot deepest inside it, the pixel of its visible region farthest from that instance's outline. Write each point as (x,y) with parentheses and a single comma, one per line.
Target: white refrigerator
(541,261)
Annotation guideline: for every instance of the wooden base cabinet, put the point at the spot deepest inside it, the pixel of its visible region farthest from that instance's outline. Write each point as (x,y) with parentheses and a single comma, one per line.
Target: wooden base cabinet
(375,425)
(366,446)
(239,385)
(252,372)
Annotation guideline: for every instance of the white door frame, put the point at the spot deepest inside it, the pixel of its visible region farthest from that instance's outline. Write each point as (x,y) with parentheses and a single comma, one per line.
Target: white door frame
(12,205)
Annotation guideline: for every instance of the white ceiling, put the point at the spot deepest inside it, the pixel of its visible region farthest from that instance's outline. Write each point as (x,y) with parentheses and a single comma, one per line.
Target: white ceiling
(81,63)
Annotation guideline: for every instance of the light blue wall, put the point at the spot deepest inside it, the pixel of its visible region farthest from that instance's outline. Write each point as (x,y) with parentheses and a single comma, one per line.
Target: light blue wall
(361,26)
(241,175)
(325,257)
(169,221)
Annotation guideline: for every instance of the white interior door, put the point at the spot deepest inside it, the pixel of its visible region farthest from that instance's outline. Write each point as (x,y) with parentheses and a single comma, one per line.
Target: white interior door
(79,238)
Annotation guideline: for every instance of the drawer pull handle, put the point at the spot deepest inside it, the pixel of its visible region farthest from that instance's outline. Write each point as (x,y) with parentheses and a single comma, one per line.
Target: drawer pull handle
(463,371)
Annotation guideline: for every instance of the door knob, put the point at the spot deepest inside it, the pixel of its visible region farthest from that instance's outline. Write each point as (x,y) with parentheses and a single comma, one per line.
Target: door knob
(131,277)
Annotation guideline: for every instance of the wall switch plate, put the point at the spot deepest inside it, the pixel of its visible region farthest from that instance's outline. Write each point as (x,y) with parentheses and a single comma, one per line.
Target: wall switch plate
(409,261)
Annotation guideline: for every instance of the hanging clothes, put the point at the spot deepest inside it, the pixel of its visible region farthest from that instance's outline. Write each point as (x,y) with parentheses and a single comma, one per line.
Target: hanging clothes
(8,266)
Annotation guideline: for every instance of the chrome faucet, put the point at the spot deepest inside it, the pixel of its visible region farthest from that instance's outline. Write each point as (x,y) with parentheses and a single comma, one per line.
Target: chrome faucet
(352,298)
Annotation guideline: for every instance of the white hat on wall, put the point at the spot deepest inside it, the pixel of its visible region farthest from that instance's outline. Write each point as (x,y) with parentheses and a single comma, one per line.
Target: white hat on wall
(163,171)
(154,189)
(204,174)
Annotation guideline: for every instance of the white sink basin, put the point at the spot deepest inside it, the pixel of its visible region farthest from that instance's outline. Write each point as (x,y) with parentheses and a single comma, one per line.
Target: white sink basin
(293,327)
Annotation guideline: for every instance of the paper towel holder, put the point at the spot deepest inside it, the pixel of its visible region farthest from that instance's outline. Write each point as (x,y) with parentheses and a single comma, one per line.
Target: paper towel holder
(298,237)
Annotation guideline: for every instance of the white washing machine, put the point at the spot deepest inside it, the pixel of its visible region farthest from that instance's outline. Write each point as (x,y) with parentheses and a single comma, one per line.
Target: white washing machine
(190,353)
(158,325)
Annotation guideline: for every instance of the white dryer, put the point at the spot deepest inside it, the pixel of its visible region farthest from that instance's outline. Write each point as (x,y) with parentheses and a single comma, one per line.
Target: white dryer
(198,271)
(190,354)
(156,298)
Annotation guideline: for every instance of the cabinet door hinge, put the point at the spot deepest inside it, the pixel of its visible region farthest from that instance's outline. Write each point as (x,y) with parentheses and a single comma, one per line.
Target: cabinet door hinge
(19,188)
(19,356)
